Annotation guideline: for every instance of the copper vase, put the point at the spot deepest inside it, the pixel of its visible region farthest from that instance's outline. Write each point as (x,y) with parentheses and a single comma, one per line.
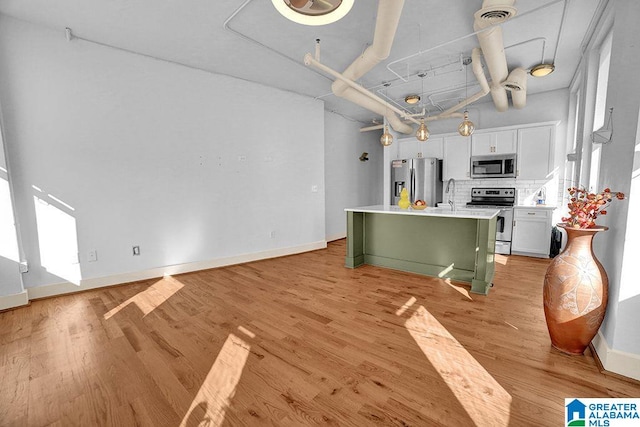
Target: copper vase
(575,292)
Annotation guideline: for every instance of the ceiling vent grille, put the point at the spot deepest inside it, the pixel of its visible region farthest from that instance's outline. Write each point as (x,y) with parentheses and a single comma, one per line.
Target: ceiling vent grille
(496,14)
(512,86)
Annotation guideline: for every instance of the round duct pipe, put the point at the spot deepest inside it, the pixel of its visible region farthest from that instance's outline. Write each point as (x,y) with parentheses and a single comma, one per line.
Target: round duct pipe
(496,11)
(516,81)
(517,84)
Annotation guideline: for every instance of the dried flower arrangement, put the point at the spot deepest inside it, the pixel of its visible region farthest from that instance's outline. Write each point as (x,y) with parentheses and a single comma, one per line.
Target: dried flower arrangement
(584,207)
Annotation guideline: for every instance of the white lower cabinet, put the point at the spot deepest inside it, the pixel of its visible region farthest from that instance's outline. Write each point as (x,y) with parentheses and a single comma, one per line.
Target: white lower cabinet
(531,231)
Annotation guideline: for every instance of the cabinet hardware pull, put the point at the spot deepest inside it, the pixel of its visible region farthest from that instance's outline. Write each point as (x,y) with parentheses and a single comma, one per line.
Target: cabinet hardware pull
(531,213)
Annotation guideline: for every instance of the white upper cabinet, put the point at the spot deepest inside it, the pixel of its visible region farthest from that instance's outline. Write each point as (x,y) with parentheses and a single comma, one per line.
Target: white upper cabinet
(535,152)
(410,148)
(456,163)
(498,142)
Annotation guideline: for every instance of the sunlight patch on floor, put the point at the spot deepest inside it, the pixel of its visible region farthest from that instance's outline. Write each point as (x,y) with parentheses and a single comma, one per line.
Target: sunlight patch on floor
(484,400)
(406,306)
(513,326)
(501,259)
(214,397)
(460,289)
(246,332)
(151,297)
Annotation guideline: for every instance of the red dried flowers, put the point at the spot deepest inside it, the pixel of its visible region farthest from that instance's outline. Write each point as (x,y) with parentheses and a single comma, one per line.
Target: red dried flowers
(584,207)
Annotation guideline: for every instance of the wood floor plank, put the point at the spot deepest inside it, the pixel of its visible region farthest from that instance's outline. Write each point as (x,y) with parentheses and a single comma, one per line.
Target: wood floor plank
(319,344)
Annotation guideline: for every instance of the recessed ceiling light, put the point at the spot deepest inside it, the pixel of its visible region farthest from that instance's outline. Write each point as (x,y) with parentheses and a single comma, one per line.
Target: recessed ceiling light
(313,12)
(412,99)
(542,70)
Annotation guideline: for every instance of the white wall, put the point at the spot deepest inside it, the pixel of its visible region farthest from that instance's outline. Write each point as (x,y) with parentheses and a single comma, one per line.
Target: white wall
(541,107)
(109,149)
(349,182)
(619,169)
(10,283)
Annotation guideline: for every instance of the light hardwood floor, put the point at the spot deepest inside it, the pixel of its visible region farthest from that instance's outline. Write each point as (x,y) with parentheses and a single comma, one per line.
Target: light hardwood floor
(294,341)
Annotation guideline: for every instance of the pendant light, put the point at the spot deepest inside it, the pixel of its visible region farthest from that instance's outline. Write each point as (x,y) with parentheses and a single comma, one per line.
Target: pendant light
(467,127)
(423,133)
(386,139)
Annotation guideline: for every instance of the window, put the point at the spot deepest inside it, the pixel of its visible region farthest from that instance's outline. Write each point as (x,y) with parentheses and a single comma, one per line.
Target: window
(599,114)
(603,80)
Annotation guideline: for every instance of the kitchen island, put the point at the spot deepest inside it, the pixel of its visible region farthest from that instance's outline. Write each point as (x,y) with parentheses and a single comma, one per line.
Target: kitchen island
(437,242)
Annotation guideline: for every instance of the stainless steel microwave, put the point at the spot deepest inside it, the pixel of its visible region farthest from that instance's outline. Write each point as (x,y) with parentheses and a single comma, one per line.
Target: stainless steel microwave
(493,166)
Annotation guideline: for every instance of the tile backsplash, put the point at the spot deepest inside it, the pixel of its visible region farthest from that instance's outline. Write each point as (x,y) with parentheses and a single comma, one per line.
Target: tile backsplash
(526,190)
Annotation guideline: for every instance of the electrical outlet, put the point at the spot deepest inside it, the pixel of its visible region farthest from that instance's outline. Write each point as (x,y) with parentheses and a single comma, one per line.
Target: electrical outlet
(272,234)
(314,188)
(24,267)
(93,256)
(136,250)
(242,158)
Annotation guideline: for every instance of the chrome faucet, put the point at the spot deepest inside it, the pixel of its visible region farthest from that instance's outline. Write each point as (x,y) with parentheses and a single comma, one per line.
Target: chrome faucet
(451,190)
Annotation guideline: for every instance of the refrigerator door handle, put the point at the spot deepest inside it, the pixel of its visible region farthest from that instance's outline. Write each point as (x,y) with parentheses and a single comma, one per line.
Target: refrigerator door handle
(412,181)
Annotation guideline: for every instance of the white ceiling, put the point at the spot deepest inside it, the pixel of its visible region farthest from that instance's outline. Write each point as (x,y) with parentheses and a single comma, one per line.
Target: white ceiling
(192,32)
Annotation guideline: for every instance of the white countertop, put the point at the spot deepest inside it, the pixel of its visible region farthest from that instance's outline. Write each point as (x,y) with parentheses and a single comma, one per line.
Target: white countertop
(441,212)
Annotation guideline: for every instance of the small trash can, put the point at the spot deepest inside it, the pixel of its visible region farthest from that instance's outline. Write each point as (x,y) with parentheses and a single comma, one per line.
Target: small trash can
(556,242)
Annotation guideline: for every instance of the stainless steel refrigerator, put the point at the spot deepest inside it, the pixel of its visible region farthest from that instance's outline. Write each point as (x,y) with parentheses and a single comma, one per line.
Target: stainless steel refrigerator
(421,177)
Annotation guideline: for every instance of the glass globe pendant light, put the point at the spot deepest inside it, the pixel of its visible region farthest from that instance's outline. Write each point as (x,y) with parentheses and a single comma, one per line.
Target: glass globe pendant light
(386,139)
(423,133)
(467,127)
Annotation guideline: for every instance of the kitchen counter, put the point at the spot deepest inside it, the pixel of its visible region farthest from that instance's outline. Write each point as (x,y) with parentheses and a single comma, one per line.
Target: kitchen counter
(549,207)
(439,211)
(438,242)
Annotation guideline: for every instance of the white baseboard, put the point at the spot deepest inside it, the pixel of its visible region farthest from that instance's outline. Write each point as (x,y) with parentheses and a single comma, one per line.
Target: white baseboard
(15,300)
(530,254)
(336,237)
(627,364)
(99,282)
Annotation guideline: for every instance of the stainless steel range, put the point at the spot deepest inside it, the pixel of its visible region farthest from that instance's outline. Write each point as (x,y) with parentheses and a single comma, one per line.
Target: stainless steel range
(497,198)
